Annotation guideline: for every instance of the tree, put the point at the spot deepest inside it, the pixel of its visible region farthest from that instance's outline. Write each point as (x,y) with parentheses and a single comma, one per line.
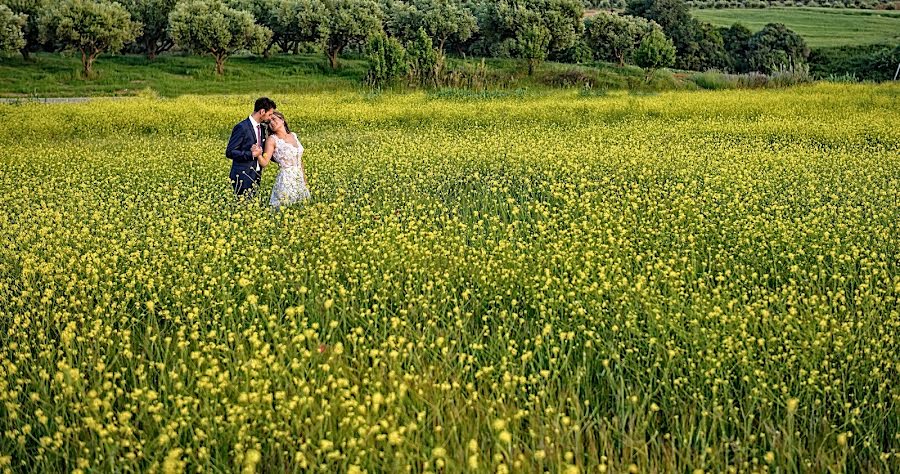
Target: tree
(776,47)
(12,38)
(31,10)
(154,16)
(210,26)
(530,29)
(442,20)
(298,21)
(88,26)
(348,22)
(614,37)
(656,51)
(737,44)
(698,45)
(387,60)
(533,44)
(424,61)
(706,50)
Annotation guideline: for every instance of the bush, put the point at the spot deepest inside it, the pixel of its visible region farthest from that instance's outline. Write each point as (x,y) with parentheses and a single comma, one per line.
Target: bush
(712,80)
(656,51)
(866,63)
(387,61)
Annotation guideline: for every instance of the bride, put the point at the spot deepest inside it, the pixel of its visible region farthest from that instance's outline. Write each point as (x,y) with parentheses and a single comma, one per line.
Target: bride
(283,147)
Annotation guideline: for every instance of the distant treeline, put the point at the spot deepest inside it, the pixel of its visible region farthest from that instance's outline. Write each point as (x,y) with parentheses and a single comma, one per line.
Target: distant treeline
(402,38)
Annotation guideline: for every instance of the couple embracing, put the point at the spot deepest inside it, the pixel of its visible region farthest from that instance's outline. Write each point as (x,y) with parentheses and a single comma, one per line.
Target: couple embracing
(258,140)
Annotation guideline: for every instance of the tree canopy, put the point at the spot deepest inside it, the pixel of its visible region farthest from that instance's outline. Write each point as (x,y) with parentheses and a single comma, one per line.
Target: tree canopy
(90,27)
(212,27)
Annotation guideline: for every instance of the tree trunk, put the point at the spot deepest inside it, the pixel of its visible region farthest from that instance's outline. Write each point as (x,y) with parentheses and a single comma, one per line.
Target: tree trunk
(531,64)
(333,57)
(220,64)
(87,62)
(26,55)
(267,53)
(441,45)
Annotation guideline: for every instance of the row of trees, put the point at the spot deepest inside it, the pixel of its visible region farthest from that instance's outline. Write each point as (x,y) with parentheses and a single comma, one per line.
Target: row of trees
(700,46)
(653,33)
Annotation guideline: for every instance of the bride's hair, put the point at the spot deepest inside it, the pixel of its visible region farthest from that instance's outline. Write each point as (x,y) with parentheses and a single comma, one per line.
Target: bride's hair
(281,116)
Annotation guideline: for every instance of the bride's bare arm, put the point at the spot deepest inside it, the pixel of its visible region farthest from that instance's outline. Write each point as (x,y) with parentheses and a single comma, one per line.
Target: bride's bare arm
(266,157)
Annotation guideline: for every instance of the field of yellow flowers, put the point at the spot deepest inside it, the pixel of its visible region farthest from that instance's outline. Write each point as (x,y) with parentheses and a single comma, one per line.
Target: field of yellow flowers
(682,282)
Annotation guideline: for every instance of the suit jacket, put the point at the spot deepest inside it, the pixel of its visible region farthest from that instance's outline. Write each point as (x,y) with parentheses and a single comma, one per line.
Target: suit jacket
(243,137)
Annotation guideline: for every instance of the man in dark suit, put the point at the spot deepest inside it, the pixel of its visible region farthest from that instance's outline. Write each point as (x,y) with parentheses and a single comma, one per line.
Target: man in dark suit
(246,145)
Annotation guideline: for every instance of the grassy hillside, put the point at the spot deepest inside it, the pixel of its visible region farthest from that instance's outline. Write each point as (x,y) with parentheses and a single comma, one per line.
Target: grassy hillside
(54,75)
(821,27)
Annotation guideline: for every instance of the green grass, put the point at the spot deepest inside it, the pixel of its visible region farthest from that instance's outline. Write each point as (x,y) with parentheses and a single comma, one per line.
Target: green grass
(56,75)
(820,27)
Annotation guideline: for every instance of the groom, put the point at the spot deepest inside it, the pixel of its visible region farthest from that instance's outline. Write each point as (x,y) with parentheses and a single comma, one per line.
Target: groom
(246,145)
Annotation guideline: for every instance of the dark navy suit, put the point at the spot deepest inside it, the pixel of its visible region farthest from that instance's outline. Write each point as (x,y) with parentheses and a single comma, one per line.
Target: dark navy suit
(245,171)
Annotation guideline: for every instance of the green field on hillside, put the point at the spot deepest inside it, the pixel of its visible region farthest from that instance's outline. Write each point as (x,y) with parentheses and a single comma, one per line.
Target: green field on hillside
(819,26)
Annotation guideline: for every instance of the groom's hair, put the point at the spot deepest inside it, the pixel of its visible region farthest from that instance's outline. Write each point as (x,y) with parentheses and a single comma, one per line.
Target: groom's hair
(263,103)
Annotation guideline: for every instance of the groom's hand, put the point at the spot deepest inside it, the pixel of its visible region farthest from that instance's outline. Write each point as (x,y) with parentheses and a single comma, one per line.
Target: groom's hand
(256,150)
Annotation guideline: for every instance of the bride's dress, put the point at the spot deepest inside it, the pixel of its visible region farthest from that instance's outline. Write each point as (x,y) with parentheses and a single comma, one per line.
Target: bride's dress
(290,184)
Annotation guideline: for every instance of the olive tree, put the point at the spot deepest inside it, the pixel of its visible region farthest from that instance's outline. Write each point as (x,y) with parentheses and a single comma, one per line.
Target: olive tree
(614,37)
(294,22)
(348,22)
(532,30)
(443,20)
(30,10)
(154,16)
(88,26)
(212,27)
(12,38)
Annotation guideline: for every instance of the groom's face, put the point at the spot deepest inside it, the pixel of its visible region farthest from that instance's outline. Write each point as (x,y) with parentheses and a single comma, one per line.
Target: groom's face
(267,115)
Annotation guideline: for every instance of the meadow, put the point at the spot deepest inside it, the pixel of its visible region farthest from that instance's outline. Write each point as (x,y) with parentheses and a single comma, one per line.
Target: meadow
(564,281)
(820,27)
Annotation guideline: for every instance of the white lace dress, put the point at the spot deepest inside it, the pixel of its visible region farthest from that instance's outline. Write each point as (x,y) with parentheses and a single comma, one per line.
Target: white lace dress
(290,184)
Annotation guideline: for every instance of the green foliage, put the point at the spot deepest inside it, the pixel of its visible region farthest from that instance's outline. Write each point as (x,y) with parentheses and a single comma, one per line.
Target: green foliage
(866,63)
(12,38)
(699,45)
(88,26)
(348,22)
(578,53)
(153,15)
(532,30)
(424,61)
(655,51)
(614,37)
(294,22)
(212,27)
(532,44)
(775,48)
(737,43)
(388,61)
(31,9)
(444,20)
